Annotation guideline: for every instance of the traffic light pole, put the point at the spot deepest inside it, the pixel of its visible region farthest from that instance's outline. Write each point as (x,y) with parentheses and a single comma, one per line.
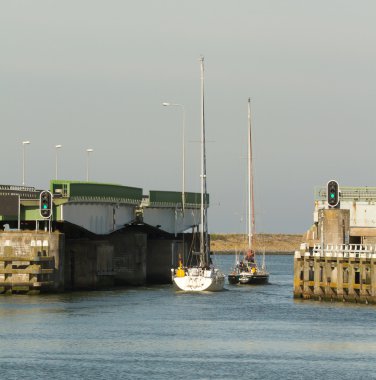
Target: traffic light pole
(19,213)
(50,221)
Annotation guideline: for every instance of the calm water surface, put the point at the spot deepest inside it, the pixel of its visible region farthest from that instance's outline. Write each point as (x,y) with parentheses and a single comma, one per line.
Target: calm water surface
(254,332)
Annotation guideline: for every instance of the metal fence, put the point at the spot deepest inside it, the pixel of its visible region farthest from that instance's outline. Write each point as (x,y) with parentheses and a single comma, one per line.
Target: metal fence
(348,193)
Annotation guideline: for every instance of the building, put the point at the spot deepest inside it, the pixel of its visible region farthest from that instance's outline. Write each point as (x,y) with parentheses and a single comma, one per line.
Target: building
(337,259)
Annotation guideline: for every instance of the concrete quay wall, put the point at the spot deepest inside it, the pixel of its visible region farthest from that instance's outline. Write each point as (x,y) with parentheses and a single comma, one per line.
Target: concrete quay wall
(31,261)
(38,261)
(120,259)
(105,262)
(335,264)
(330,278)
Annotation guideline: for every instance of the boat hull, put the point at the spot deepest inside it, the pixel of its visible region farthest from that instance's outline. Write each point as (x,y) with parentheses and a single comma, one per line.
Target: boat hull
(254,279)
(233,278)
(199,281)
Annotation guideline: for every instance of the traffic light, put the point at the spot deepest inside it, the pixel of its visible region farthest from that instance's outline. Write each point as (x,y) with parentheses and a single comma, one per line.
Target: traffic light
(332,193)
(45,204)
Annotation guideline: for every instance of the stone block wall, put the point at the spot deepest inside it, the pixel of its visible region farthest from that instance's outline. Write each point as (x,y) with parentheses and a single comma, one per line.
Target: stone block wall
(31,261)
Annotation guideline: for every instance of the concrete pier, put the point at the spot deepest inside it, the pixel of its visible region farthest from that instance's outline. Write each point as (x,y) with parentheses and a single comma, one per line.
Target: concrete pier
(336,273)
(337,259)
(31,262)
(36,261)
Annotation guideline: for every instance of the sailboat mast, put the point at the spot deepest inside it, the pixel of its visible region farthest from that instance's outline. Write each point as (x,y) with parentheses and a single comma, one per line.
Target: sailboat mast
(204,224)
(251,202)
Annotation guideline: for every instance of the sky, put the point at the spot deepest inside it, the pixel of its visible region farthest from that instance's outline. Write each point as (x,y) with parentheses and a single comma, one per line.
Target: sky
(94,74)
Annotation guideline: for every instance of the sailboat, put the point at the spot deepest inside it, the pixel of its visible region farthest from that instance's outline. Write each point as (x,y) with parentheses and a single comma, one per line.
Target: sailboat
(203,276)
(247,271)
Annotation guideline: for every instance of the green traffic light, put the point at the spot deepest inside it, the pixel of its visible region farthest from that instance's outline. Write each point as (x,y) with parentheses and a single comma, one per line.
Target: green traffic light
(332,196)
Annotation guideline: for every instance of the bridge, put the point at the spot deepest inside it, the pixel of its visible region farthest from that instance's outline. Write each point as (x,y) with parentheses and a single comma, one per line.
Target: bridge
(102,208)
(98,235)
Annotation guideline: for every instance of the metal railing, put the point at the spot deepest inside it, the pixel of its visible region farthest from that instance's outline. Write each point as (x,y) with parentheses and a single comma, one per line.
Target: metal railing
(16,188)
(103,199)
(24,192)
(349,193)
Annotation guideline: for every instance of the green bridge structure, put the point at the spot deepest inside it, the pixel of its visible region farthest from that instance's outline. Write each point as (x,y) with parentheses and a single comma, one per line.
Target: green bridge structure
(100,208)
(95,236)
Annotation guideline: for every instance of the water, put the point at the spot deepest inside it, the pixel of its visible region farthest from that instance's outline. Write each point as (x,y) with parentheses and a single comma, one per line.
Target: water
(253,332)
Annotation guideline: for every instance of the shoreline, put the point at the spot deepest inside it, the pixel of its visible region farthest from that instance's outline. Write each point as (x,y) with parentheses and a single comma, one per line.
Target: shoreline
(278,244)
(267,253)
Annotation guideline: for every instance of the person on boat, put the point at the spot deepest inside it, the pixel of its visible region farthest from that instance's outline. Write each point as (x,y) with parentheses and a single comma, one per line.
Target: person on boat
(250,256)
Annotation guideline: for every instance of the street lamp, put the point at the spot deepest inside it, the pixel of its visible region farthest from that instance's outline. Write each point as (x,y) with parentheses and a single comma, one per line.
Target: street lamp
(23,161)
(166,104)
(87,163)
(57,147)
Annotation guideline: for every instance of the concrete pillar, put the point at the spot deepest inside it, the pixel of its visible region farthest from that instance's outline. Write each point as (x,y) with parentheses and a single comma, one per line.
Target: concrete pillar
(306,289)
(317,290)
(334,226)
(351,282)
(373,277)
(339,279)
(297,271)
(327,278)
(364,286)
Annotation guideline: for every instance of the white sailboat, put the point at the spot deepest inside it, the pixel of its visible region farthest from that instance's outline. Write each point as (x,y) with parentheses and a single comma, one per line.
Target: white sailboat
(204,276)
(247,271)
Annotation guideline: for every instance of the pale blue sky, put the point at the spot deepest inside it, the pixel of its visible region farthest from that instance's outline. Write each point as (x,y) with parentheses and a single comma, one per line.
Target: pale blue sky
(93,74)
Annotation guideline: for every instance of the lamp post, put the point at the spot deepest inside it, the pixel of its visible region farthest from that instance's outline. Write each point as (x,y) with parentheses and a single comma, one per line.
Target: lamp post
(23,161)
(166,104)
(57,147)
(88,151)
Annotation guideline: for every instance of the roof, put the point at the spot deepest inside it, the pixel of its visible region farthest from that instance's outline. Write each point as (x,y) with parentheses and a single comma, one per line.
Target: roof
(93,191)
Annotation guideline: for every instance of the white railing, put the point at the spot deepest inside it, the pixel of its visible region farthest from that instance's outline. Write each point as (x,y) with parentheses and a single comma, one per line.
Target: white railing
(363,251)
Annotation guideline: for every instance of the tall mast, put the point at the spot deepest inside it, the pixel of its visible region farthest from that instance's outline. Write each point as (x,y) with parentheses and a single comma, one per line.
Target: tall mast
(251,202)
(204,224)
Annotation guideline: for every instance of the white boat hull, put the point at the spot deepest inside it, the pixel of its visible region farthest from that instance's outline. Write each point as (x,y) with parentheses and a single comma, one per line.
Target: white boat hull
(198,280)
